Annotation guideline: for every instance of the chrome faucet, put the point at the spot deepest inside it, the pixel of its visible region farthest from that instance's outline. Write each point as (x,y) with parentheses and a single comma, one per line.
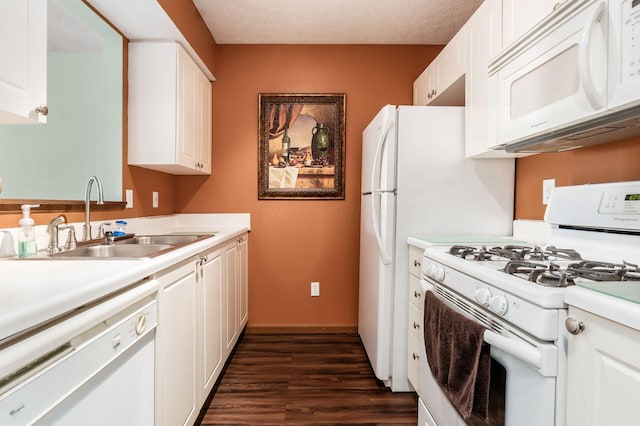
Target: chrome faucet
(86,228)
(52,230)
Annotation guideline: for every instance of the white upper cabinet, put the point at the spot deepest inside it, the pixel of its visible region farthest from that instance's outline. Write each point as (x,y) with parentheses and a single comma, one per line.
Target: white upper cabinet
(169,110)
(519,16)
(485,35)
(23,68)
(442,82)
(484,41)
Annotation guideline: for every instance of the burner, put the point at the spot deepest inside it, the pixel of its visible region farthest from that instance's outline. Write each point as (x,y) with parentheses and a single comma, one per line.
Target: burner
(554,276)
(511,252)
(550,276)
(470,253)
(598,271)
(568,254)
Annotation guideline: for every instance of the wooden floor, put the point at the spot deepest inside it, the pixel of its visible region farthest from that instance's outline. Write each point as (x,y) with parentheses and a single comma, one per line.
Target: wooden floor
(305,380)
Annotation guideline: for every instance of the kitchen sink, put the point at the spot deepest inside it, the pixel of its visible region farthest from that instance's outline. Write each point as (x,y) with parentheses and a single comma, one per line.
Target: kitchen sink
(163,239)
(131,247)
(115,251)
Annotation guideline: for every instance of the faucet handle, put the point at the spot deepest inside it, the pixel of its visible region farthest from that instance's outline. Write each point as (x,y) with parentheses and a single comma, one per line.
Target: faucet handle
(71,242)
(109,238)
(101,229)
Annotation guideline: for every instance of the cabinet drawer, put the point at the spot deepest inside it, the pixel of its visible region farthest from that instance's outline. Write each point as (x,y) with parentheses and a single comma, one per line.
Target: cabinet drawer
(415,320)
(413,372)
(415,258)
(415,292)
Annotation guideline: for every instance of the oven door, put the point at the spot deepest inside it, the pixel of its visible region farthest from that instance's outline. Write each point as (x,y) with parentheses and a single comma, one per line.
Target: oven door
(523,373)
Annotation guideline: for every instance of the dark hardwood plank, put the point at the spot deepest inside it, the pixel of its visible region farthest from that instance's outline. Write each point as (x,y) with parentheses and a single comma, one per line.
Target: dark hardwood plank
(305,379)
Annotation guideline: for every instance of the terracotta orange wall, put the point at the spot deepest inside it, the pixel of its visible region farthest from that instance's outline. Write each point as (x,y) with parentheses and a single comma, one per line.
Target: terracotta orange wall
(295,242)
(618,161)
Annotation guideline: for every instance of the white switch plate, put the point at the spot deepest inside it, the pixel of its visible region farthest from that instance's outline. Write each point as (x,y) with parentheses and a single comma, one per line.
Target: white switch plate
(155,199)
(547,189)
(128,194)
(315,288)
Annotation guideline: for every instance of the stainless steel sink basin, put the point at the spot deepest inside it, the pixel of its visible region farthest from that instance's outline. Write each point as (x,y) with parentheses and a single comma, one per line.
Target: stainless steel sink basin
(132,247)
(116,251)
(163,239)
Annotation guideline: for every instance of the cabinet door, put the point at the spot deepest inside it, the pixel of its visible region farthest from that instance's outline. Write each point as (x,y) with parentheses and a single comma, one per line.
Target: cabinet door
(484,42)
(186,110)
(243,282)
(450,66)
(519,16)
(176,350)
(211,278)
(604,373)
(423,86)
(23,68)
(169,110)
(442,82)
(230,322)
(203,125)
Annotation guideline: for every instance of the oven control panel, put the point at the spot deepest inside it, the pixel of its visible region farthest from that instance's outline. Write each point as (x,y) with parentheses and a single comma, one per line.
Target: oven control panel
(620,202)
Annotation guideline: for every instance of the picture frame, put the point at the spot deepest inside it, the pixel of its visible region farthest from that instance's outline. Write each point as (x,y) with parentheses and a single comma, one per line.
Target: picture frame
(301,146)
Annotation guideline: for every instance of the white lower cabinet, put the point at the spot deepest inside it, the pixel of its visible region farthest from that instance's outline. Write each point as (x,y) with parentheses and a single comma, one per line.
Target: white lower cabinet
(202,310)
(416,313)
(604,372)
(176,350)
(230,324)
(235,291)
(211,308)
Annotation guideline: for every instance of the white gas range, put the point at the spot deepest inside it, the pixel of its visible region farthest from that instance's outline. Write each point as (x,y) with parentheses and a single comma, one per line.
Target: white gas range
(516,291)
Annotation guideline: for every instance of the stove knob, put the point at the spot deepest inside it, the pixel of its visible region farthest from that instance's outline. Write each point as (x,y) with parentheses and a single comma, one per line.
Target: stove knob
(428,269)
(438,273)
(499,305)
(483,296)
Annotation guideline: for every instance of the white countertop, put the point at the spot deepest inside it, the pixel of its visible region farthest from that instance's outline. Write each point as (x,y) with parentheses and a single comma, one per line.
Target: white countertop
(33,291)
(607,306)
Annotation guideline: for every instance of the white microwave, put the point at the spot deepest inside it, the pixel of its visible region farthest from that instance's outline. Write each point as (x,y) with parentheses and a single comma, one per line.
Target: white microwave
(572,81)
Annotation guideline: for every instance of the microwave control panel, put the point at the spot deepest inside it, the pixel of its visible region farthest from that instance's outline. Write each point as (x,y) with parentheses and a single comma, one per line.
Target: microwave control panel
(630,40)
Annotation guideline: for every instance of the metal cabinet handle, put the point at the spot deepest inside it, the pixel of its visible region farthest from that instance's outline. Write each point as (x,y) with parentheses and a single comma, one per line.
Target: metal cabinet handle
(416,263)
(416,325)
(416,294)
(416,356)
(42,109)
(574,326)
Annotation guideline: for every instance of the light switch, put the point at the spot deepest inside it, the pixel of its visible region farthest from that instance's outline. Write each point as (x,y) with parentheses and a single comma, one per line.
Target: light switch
(155,199)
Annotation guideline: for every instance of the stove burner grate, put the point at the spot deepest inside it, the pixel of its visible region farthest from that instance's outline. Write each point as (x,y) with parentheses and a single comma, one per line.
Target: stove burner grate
(550,276)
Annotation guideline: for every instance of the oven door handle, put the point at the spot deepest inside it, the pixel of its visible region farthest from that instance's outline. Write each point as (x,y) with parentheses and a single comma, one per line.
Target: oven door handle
(521,351)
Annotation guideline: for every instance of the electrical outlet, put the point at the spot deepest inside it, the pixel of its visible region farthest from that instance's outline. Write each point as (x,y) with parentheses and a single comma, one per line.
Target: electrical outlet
(547,189)
(128,193)
(155,199)
(315,289)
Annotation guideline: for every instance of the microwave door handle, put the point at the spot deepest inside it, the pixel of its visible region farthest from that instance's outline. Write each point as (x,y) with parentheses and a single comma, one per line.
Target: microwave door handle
(595,98)
(375,214)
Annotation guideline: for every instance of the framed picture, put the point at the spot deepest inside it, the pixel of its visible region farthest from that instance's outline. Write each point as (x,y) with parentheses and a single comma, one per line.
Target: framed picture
(301,146)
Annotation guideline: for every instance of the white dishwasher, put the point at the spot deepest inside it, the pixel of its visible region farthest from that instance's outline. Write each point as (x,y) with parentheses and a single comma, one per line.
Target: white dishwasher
(94,367)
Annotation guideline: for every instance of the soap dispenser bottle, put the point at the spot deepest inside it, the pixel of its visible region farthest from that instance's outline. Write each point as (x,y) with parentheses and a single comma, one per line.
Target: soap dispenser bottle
(27,236)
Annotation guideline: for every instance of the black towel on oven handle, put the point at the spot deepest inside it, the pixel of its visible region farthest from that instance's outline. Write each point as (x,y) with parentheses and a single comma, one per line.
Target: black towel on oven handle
(458,357)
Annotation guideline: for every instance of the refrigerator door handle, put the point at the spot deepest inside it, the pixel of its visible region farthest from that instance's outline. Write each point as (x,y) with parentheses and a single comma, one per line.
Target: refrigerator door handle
(375,214)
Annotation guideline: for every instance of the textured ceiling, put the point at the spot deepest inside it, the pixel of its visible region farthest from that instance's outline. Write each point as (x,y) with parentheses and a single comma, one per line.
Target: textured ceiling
(335,21)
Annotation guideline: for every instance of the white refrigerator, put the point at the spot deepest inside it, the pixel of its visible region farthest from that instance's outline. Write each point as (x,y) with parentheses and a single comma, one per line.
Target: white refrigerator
(417,182)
